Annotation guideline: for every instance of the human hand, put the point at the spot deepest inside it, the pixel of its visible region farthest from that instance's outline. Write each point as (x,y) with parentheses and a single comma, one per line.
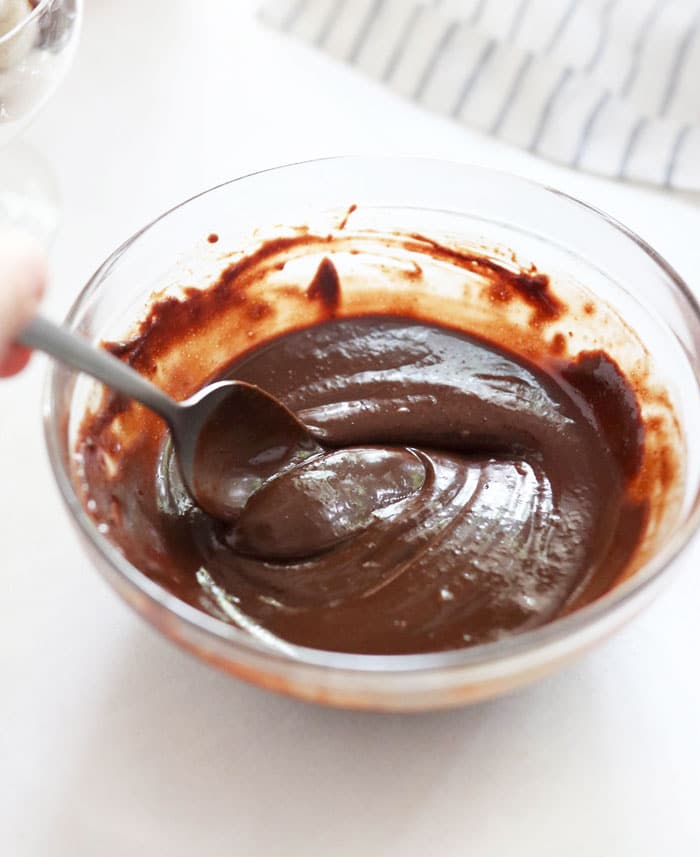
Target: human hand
(23,275)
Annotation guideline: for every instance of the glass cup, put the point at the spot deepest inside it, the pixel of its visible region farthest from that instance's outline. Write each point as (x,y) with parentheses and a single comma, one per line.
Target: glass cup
(37,43)
(577,245)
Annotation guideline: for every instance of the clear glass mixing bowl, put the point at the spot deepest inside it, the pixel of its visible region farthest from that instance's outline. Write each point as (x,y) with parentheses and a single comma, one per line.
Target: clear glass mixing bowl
(567,239)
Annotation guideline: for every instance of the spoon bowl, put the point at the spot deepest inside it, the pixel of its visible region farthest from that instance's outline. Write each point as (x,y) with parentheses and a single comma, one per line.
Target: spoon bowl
(230,438)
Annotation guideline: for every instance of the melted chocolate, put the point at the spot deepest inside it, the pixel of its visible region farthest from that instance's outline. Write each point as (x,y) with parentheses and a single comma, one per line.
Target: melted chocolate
(460,492)
(463,494)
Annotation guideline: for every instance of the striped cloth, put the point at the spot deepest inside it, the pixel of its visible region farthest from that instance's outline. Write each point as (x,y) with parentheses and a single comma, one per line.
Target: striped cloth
(608,86)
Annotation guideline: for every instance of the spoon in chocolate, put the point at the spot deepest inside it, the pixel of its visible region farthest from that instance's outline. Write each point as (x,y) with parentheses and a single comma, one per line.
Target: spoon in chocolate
(229,437)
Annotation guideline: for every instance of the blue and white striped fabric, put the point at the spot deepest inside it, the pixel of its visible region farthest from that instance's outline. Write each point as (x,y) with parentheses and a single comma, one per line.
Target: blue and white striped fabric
(608,86)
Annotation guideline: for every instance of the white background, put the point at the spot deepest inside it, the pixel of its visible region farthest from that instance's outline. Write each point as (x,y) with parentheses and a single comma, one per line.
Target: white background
(113,742)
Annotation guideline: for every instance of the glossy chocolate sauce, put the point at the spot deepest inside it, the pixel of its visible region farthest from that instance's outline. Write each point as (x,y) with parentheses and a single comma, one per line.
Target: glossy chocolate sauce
(460,493)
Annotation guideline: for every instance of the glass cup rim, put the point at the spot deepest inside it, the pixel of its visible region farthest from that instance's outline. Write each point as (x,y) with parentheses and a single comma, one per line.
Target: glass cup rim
(479,655)
(35,12)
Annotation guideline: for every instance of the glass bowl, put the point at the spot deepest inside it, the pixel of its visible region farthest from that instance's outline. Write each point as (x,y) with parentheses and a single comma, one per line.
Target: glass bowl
(567,239)
(37,44)
(38,40)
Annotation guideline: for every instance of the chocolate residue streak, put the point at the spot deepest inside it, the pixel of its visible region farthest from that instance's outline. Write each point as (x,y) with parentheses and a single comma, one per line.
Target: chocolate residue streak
(534,290)
(325,286)
(415,272)
(530,286)
(426,424)
(126,351)
(154,333)
(257,310)
(344,221)
(557,346)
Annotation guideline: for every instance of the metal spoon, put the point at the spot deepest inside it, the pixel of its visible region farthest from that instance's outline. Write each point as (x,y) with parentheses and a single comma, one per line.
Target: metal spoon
(229,437)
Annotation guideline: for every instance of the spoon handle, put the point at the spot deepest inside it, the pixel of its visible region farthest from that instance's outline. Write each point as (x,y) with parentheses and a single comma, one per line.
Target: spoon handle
(80,354)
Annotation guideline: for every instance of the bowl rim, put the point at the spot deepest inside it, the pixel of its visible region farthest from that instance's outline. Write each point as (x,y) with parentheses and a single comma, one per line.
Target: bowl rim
(480,655)
(28,18)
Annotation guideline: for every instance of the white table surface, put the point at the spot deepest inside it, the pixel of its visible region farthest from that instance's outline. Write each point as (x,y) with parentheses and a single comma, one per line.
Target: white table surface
(112,741)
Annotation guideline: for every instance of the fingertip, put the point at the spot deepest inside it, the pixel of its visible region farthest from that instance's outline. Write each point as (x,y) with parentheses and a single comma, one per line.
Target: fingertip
(14,360)
(23,264)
